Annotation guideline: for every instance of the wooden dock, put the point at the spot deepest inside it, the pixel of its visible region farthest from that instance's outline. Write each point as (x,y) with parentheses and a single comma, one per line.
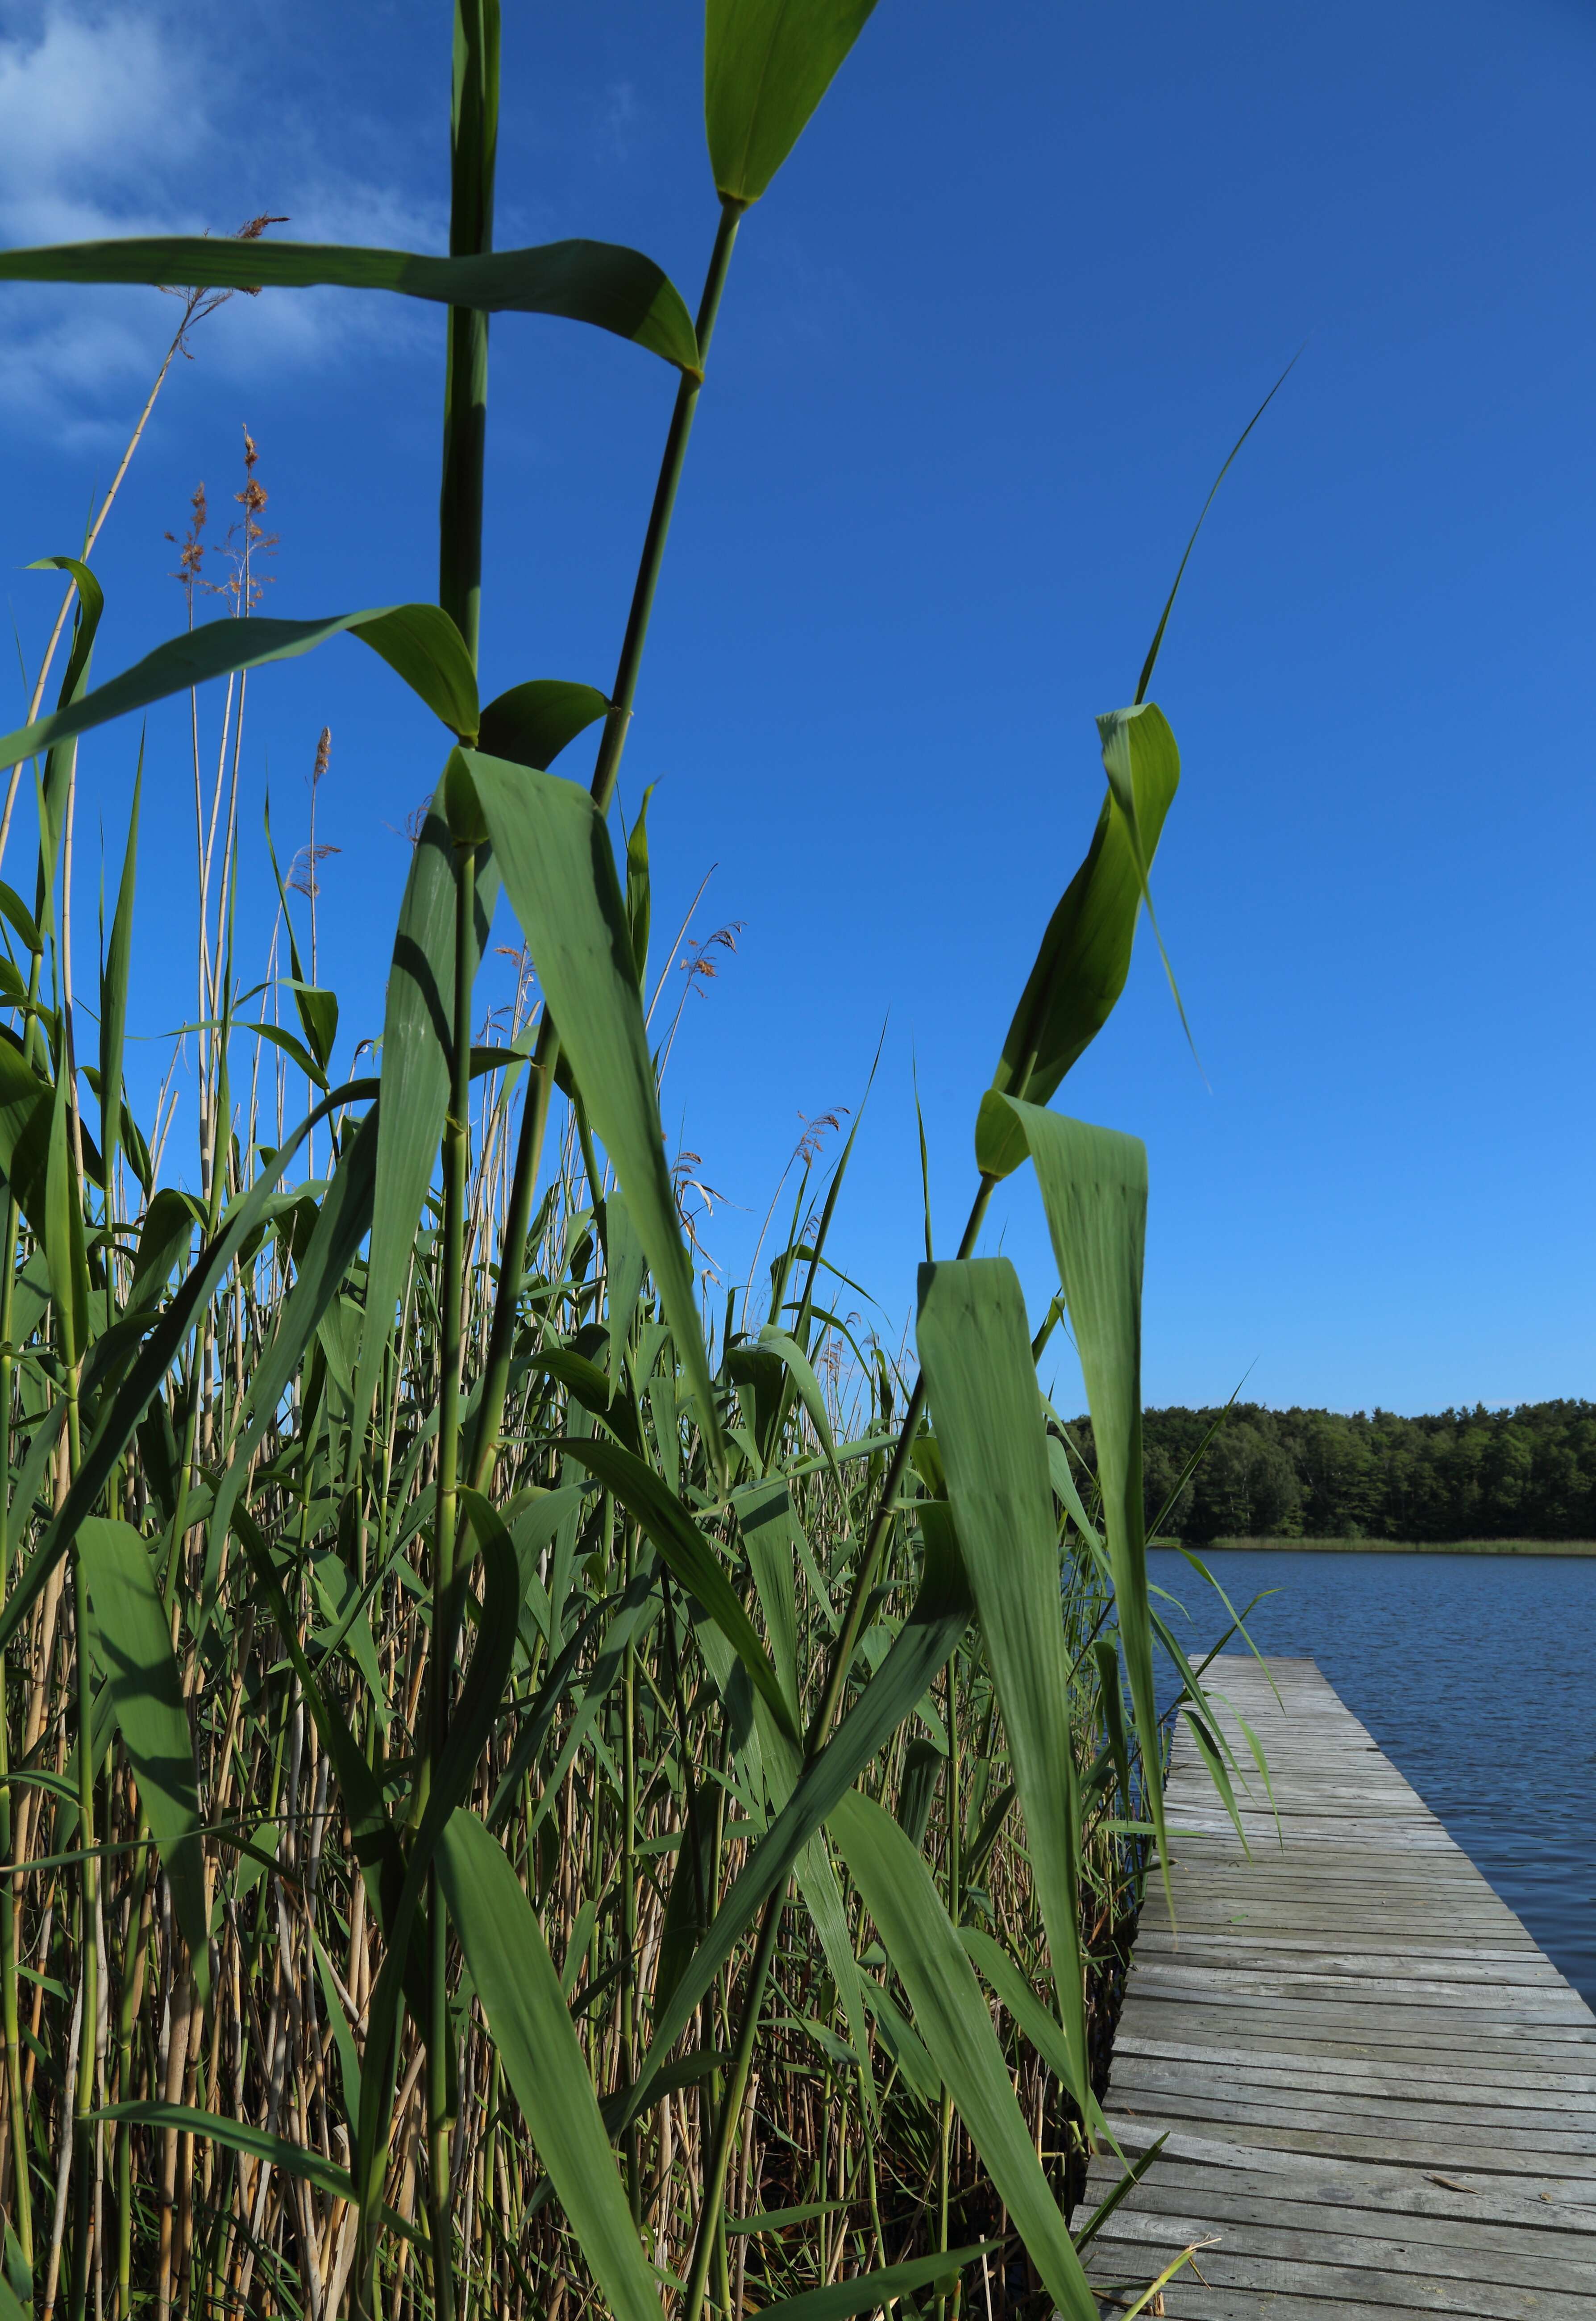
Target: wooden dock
(1381,2094)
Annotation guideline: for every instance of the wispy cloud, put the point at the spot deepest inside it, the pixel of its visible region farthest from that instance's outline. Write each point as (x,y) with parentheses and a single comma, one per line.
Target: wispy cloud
(108,126)
(620,118)
(92,111)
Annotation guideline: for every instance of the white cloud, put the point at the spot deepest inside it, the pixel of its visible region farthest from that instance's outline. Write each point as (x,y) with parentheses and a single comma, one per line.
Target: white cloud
(89,108)
(107,128)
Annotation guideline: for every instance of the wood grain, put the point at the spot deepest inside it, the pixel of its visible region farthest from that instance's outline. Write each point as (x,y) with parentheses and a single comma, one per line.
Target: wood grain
(1380,2093)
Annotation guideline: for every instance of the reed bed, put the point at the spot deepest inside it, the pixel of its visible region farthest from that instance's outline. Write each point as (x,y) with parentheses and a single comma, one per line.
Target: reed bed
(521,1794)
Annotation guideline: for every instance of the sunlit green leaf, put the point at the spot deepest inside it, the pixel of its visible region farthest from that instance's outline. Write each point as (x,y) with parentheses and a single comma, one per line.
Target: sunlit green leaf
(598,282)
(532,2031)
(417,641)
(1093,1183)
(531,723)
(1085,956)
(132,1641)
(975,1348)
(767,64)
(554,853)
(952,2017)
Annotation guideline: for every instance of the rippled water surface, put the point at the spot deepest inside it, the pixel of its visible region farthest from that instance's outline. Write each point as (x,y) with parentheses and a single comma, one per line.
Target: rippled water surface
(1476,1674)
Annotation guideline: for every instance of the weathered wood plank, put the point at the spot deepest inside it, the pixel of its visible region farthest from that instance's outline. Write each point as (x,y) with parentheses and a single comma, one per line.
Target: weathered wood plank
(1433,2105)
(1501,2216)
(1318,2265)
(1379,2094)
(1479,2252)
(1549,2203)
(1332,2071)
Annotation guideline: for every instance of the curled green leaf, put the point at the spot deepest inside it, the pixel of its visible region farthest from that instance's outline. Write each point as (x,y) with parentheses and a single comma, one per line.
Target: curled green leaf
(602,283)
(419,642)
(1085,954)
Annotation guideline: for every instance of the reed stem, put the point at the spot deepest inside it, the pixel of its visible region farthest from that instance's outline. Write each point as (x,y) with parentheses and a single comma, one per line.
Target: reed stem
(534,1112)
(473,156)
(457,1143)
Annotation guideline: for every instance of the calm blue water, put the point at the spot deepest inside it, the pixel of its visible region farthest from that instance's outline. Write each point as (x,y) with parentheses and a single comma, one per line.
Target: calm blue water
(1476,1674)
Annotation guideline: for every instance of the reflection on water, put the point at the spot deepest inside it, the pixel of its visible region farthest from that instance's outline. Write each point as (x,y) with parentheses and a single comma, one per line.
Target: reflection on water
(1476,1674)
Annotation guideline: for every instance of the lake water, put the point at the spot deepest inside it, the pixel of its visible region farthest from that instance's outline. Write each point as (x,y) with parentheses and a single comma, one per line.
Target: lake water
(1476,1674)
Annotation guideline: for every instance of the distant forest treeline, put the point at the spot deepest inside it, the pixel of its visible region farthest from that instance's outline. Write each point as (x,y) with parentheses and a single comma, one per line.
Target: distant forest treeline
(1529,1473)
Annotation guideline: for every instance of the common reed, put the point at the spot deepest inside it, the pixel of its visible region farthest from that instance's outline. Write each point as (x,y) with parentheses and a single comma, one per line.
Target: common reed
(518,1795)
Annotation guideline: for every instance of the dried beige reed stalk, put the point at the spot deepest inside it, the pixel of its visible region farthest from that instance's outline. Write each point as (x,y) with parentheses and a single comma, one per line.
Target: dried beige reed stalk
(198,303)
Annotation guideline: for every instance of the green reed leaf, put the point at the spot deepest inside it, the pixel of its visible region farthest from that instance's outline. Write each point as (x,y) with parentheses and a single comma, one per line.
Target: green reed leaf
(590,1386)
(25,1491)
(769,1528)
(904,2045)
(132,1642)
(821,1898)
(472,1721)
(951,2019)
(376,1843)
(939,1617)
(634,1615)
(602,283)
(531,724)
(1106,1654)
(342,1223)
(1080,969)
(476,1712)
(417,1014)
(238,2135)
(13,908)
(686,1915)
(1208,1750)
(767,64)
(923,1767)
(113,1427)
(769,1533)
(347,1624)
(1136,754)
(554,850)
(338,2023)
(639,890)
(800,1368)
(1135,2171)
(286,1044)
(163,1243)
(317,1010)
(1035,2019)
(63,1230)
(114,977)
(689,1558)
(1148,666)
(867,2290)
(975,1350)
(534,2036)
(419,642)
(27,1105)
(85,621)
(91,607)
(626,1262)
(1093,1183)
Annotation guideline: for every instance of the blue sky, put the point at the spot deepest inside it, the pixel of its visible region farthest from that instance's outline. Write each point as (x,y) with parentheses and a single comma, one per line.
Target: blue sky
(984,345)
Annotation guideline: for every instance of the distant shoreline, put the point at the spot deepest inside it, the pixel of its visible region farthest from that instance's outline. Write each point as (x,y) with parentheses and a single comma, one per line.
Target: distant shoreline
(1409,1546)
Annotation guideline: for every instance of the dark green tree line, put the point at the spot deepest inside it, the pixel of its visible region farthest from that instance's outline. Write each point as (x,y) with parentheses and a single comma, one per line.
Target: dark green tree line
(1524,1473)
